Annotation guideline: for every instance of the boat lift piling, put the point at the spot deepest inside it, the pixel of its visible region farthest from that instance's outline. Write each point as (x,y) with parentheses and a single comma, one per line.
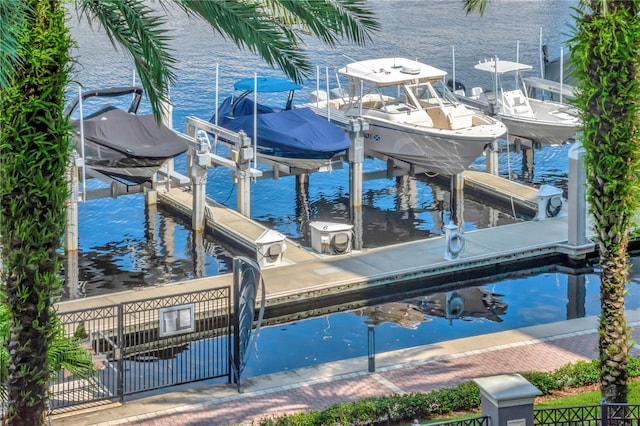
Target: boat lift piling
(354,126)
(199,158)
(356,161)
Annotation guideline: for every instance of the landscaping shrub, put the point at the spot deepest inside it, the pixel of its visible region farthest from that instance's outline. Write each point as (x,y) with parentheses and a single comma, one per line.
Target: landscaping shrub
(542,380)
(464,397)
(578,374)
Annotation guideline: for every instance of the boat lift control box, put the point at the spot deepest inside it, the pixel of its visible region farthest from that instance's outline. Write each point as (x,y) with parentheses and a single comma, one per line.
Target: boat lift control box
(270,248)
(331,238)
(549,202)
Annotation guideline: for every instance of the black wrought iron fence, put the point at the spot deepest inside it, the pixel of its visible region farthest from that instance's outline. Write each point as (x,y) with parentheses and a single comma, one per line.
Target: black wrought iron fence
(472,421)
(602,414)
(147,344)
(89,327)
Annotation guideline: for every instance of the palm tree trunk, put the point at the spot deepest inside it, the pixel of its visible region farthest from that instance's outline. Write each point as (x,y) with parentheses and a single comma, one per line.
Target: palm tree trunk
(34,153)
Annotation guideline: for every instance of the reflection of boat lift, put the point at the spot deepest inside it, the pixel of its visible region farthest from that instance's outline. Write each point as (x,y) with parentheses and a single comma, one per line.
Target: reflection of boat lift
(454,306)
(463,304)
(403,314)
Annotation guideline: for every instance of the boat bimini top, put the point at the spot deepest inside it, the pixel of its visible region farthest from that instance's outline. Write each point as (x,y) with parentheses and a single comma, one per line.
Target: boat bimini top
(390,71)
(502,67)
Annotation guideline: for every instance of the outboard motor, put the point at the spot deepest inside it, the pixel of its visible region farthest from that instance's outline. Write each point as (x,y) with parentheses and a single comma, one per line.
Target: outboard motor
(459,86)
(494,108)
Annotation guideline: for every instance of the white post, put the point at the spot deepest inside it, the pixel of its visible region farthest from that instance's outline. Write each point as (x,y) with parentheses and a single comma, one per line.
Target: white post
(82,143)
(255,119)
(541,56)
(198,174)
(561,71)
(71,235)
(453,71)
(577,188)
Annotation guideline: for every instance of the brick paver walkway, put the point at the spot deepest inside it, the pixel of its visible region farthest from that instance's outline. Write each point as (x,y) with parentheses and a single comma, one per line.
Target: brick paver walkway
(539,354)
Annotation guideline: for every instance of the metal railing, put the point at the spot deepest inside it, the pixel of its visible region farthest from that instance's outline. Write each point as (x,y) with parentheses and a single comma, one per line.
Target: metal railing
(602,414)
(472,421)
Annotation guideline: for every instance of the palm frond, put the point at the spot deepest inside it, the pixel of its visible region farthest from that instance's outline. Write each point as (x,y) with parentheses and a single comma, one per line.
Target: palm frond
(142,33)
(252,29)
(471,6)
(272,28)
(67,354)
(64,353)
(14,12)
(326,19)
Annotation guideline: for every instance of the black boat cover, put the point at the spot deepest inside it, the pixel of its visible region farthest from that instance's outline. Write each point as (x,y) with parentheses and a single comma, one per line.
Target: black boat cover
(133,135)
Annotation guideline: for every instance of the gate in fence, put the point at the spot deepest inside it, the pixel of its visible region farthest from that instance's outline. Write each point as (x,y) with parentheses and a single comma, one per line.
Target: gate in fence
(147,344)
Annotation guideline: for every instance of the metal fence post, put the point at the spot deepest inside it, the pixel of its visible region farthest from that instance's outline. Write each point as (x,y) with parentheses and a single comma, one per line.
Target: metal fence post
(117,352)
(604,413)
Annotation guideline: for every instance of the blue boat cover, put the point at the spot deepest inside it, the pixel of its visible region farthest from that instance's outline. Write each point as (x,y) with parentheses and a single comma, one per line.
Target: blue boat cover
(266,84)
(298,133)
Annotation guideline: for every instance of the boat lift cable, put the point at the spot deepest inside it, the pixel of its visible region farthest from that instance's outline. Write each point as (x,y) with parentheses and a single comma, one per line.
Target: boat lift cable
(513,208)
(233,187)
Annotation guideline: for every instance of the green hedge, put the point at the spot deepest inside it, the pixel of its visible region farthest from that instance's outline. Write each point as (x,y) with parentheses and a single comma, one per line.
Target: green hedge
(464,397)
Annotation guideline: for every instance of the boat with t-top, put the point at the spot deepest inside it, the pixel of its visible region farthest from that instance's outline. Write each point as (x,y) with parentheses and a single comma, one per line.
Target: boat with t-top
(544,121)
(413,117)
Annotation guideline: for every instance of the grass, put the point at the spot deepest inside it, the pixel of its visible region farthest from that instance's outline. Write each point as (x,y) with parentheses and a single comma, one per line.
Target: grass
(589,398)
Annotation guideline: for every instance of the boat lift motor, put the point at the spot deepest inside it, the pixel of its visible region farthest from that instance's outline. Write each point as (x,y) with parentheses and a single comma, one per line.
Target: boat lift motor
(453,241)
(270,248)
(549,202)
(331,238)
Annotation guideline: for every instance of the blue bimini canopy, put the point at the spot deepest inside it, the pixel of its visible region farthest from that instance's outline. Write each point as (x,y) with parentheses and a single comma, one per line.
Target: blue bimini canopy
(266,84)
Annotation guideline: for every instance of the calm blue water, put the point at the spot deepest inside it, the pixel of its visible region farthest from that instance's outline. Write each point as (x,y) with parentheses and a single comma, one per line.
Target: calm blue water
(499,306)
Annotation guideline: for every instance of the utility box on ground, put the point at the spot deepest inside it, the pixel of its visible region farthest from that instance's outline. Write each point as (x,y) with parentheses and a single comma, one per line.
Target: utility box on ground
(549,202)
(270,248)
(331,238)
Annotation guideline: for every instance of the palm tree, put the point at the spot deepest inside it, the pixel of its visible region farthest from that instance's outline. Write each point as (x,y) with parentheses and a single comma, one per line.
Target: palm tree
(607,67)
(34,151)
(35,68)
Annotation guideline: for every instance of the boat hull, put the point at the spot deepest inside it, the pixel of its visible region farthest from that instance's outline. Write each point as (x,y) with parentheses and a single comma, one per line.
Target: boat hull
(125,146)
(545,133)
(136,170)
(438,151)
(551,125)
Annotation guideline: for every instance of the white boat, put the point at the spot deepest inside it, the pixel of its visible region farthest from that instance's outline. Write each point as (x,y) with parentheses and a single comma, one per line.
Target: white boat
(412,115)
(541,88)
(542,121)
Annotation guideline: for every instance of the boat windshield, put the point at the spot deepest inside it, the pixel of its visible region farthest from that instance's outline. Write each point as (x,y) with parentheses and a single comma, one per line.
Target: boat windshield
(434,93)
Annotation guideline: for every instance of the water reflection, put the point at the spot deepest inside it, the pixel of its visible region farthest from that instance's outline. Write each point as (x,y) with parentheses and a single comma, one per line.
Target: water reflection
(161,250)
(465,304)
(426,316)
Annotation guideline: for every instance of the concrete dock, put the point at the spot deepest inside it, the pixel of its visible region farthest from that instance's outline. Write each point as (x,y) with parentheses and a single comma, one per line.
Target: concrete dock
(306,276)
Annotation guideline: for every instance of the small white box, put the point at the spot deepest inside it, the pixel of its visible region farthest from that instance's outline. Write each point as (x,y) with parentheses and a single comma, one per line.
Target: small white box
(270,248)
(331,238)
